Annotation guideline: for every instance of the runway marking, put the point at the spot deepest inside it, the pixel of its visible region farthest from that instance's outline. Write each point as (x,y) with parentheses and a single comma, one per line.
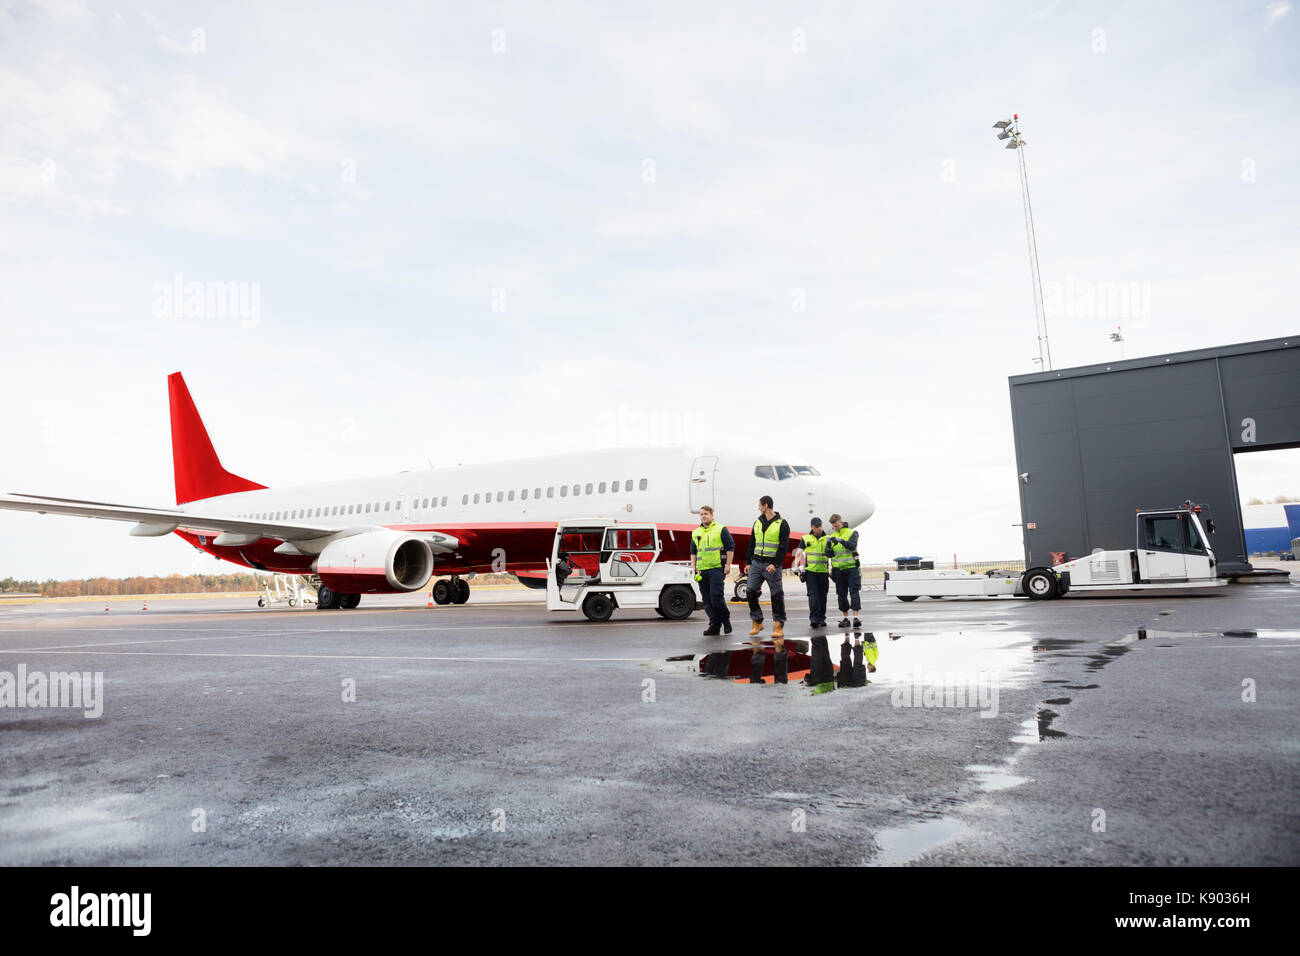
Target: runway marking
(368,657)
(343,632)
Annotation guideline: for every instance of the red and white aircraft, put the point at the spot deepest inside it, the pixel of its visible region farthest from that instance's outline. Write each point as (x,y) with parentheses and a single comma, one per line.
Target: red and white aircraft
(390,534)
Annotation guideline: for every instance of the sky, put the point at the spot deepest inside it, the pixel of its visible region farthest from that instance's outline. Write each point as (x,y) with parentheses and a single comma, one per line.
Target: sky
(462,234)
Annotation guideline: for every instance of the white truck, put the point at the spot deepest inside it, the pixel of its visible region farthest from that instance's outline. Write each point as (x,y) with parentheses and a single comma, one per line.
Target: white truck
(1172,556)
(605,565)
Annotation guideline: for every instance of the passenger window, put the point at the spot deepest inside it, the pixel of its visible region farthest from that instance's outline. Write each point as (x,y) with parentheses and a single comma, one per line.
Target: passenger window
(537,492)
(511,495)
(550,491)
(564,491)
(614,487)
(464,499)
(1194,542)
(645,483)
(602,488)
(783,472)
(500,496)
(577,489)
(765,471)
(523,495)
(588,491)
(476,497)
(444,501)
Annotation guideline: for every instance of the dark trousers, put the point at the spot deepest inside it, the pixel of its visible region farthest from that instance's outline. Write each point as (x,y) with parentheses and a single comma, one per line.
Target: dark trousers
(848,582)
(818,584)
(758,573)
(715,603)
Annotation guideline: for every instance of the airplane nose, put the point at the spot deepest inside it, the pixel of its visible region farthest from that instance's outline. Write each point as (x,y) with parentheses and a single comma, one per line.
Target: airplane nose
(854,504)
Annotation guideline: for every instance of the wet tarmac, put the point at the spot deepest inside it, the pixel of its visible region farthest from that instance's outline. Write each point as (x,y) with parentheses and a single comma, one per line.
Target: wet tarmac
(1126,731)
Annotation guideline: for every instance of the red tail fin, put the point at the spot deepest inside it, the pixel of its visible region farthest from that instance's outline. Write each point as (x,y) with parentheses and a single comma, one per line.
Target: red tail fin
(198,469)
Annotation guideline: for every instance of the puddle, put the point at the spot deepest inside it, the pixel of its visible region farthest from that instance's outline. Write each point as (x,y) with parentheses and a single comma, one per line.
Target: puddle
(1038,728)
(995,778)
(901,845)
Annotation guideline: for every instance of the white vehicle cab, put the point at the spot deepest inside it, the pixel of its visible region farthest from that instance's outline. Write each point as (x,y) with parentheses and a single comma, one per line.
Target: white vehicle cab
(1172,556)
(597,565)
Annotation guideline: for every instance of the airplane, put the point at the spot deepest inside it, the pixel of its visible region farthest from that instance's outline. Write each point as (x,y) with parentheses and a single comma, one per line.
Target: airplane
(392,534)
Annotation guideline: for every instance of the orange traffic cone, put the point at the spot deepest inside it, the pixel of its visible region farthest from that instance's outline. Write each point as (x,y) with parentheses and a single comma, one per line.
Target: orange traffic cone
(146,606)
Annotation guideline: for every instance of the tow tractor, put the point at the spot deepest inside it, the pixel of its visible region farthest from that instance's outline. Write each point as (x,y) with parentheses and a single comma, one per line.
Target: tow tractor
(1172,556)
(609,564)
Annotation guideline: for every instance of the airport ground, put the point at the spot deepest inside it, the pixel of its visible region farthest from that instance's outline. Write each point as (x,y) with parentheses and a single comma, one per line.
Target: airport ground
(1148,731)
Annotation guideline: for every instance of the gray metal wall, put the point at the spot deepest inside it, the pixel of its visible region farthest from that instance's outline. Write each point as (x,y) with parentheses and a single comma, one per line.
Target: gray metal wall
(1100,441)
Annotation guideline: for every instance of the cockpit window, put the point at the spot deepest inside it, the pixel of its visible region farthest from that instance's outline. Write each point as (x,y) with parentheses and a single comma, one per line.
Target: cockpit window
(806,470)
(783,472)
(765,471)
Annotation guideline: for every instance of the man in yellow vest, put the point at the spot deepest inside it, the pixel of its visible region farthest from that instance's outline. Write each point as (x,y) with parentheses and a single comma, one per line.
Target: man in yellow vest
(843,553)
(768,544)
(811,558)
(712,548)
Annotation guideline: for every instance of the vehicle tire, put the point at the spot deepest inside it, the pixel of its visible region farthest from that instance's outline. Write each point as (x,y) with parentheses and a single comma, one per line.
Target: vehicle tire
(660,613)
(326,598)
(1039,584)
(349,601)
(261,602)
(461,593)
(741,590)
(676,601)
(598,607)
(442,591)
(936,597)
(906,597)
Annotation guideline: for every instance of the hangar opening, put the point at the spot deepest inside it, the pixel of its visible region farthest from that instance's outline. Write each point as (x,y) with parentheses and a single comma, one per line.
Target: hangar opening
(1096,443)
(1269,482)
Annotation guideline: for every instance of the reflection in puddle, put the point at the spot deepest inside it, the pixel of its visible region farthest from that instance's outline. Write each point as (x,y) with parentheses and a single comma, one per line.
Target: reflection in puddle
(995,778)
(900,845)
(1038,728)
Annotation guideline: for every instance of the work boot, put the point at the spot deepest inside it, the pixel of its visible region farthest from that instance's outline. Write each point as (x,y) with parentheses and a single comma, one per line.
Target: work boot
(726,626)
(755,628)
(778,630)
(857,624)
(844,623)
(711,631)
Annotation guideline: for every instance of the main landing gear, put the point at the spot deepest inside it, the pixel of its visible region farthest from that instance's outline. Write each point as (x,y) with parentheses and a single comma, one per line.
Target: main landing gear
(453,590)
(327,599)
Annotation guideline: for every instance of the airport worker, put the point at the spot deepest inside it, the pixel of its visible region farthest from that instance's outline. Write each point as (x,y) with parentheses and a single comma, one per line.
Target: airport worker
(812,558)
(712,549)
(767,548)
(845,571)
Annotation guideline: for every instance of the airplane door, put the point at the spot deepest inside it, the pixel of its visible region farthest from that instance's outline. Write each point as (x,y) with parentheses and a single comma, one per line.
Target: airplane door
(703,470)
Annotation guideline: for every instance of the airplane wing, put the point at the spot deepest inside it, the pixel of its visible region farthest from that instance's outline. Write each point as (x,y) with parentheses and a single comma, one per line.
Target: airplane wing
(155,522)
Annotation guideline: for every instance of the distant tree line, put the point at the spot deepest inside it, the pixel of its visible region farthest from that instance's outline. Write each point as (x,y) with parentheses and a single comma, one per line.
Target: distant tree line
(1279,500)
(172,584)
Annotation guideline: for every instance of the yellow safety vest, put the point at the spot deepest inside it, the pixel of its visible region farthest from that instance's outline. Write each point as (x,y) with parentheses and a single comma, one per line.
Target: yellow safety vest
(767,543)
(841,556)
(814,549)
(708,547)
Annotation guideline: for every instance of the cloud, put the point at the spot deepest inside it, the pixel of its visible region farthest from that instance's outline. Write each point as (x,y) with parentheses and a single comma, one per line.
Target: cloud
(1277,10)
